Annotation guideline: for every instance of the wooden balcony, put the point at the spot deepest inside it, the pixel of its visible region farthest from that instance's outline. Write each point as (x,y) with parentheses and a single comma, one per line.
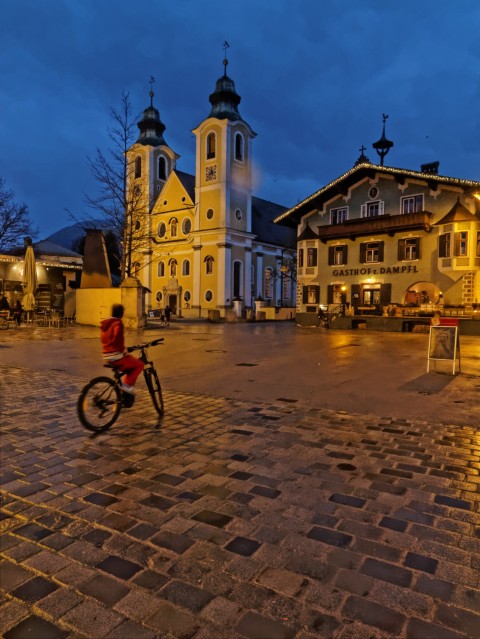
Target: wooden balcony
(388,224)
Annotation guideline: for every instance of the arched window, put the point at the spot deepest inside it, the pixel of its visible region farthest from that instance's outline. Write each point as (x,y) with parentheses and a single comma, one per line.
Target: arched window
(173,267)
(162,168)
(186,226)
(161,269)
(239,147)
(173,227)
(186,267)
(208,265)
(138,166)
(211,144)
(161,229)
(136,268)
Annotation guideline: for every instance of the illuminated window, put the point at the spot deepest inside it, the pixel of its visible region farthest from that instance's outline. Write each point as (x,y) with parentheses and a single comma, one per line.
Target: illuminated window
(337,255)
(409,249)
(338,216)
(268,283)
(138,167)
(412,204)
(371,252)
(211,144)
(461,244)
(311,257)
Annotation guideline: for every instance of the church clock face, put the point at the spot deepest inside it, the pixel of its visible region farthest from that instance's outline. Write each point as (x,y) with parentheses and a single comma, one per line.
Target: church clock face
(211,173)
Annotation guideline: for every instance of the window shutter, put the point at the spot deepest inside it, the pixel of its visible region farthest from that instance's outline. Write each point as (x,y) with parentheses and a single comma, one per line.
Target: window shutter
(419,242)
(363,253)
(381,208)
(305,295)
(355,290)
(330,255)
(314,257)
(363,210)
(345,254)
(300,258)
(317,294)
(385,294)
(456,245)
(442,246)
(381,251)
(401,250)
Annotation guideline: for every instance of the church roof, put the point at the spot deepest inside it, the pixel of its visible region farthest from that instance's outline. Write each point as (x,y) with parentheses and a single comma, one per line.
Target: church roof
(263,216)
(188,183)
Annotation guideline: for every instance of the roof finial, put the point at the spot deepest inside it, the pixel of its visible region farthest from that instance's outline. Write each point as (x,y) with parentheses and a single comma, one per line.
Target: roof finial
(225,60)
(151,82)
(383,146)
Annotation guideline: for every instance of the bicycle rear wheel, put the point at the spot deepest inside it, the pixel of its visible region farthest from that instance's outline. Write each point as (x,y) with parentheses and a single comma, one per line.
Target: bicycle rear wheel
(154,388)
(99,404)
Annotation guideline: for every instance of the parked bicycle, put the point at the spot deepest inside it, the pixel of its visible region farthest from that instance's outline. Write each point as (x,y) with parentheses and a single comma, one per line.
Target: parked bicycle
(101,400)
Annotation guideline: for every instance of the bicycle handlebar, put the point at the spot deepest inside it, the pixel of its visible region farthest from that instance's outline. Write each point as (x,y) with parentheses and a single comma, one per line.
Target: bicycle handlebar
(138,347)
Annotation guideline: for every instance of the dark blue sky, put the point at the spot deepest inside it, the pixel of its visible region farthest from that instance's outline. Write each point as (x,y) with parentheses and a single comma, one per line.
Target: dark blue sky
(315,77)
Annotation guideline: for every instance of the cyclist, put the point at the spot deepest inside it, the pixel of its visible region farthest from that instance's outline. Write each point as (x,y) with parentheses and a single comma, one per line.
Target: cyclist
(114,352)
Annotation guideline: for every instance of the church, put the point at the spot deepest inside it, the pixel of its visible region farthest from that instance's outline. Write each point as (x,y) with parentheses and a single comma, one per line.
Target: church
(210,245)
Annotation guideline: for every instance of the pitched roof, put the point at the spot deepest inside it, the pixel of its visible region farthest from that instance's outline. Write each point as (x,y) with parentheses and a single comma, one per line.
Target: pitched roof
(263,216)
(358,172)
(458,213)
(307,234)
(188,183)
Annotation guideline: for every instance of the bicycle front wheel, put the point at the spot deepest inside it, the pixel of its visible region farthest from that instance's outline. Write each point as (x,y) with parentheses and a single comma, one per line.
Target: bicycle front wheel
(154,388)
(99,404)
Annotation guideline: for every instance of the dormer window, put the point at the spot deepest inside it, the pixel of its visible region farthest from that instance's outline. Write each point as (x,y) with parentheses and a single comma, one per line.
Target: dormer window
(138,167)
(211,146)
(339,216)
(239,147)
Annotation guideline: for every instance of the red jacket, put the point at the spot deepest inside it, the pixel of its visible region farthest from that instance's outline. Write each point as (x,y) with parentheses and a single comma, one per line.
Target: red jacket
(111,337)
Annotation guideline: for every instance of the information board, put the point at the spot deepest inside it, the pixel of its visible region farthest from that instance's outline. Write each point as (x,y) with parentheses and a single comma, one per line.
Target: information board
(443,344)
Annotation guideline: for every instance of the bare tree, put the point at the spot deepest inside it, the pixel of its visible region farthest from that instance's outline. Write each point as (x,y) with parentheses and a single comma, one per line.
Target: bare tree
(120,202)
(15,221)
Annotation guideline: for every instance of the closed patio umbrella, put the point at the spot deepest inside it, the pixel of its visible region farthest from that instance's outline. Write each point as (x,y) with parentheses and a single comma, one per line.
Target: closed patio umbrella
(29,280)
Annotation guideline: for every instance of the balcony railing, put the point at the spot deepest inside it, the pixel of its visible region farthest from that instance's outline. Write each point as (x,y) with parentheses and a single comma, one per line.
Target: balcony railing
(389,224)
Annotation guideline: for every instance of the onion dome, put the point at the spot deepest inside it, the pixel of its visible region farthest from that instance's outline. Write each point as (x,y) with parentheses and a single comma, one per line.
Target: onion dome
(225,99)
(151,127)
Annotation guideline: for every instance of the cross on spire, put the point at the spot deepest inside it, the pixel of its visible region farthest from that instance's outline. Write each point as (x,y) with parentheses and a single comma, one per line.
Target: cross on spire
(225,60)
(151,83)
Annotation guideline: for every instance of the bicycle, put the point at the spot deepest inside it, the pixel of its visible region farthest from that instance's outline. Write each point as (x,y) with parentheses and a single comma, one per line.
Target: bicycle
(102,399)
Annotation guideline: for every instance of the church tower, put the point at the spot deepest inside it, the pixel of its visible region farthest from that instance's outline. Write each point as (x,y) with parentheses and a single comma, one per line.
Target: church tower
(223,187)
(150,161)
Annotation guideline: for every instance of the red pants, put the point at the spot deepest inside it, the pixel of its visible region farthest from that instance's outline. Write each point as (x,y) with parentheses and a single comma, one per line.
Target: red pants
(131,366)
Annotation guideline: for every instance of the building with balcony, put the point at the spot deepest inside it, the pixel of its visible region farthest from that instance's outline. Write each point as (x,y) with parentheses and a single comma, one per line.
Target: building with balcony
(382,240)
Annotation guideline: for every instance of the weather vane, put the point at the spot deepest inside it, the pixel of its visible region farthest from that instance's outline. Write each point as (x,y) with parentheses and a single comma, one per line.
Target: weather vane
(225,60)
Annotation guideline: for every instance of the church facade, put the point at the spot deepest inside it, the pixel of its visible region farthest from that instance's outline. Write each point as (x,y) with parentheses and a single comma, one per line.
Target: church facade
(210,241)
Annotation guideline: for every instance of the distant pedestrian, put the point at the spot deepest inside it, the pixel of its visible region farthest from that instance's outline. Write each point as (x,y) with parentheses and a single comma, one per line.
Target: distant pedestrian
(4,305)
(17,313)
(167,313)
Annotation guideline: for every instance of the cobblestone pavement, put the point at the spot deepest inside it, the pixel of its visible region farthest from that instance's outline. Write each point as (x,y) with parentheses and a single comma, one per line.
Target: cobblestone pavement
(233,519)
